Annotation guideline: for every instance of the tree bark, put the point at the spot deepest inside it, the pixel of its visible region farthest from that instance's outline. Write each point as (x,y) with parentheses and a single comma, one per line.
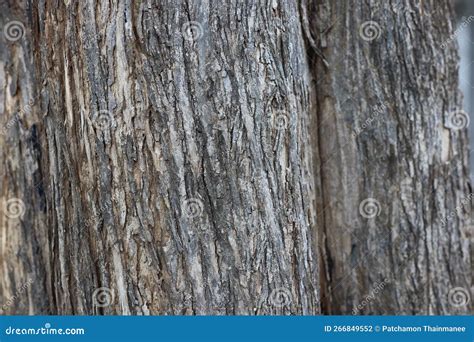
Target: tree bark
(237,157)
(392,160)
(174,152)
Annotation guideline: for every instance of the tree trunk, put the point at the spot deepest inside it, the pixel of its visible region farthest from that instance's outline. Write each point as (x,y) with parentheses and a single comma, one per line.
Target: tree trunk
(169,157)
(392,160)
(174,156)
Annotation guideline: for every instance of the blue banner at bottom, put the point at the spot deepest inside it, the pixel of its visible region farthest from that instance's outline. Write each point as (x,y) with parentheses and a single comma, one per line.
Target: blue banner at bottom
(237,328)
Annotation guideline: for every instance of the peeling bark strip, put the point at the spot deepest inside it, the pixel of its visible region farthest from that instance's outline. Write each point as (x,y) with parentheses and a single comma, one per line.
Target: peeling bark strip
(157,159)
(175,156)
(389,180)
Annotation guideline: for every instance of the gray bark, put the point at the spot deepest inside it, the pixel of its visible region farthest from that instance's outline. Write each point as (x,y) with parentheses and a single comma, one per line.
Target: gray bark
(176,161)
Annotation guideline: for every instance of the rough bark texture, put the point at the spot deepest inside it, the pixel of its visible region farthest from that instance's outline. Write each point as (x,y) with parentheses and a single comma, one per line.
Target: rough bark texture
(181,157)
(388,143)
(176,161)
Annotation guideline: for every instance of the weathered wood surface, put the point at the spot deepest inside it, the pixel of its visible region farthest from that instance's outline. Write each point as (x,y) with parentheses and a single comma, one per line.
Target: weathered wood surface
(175,158)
